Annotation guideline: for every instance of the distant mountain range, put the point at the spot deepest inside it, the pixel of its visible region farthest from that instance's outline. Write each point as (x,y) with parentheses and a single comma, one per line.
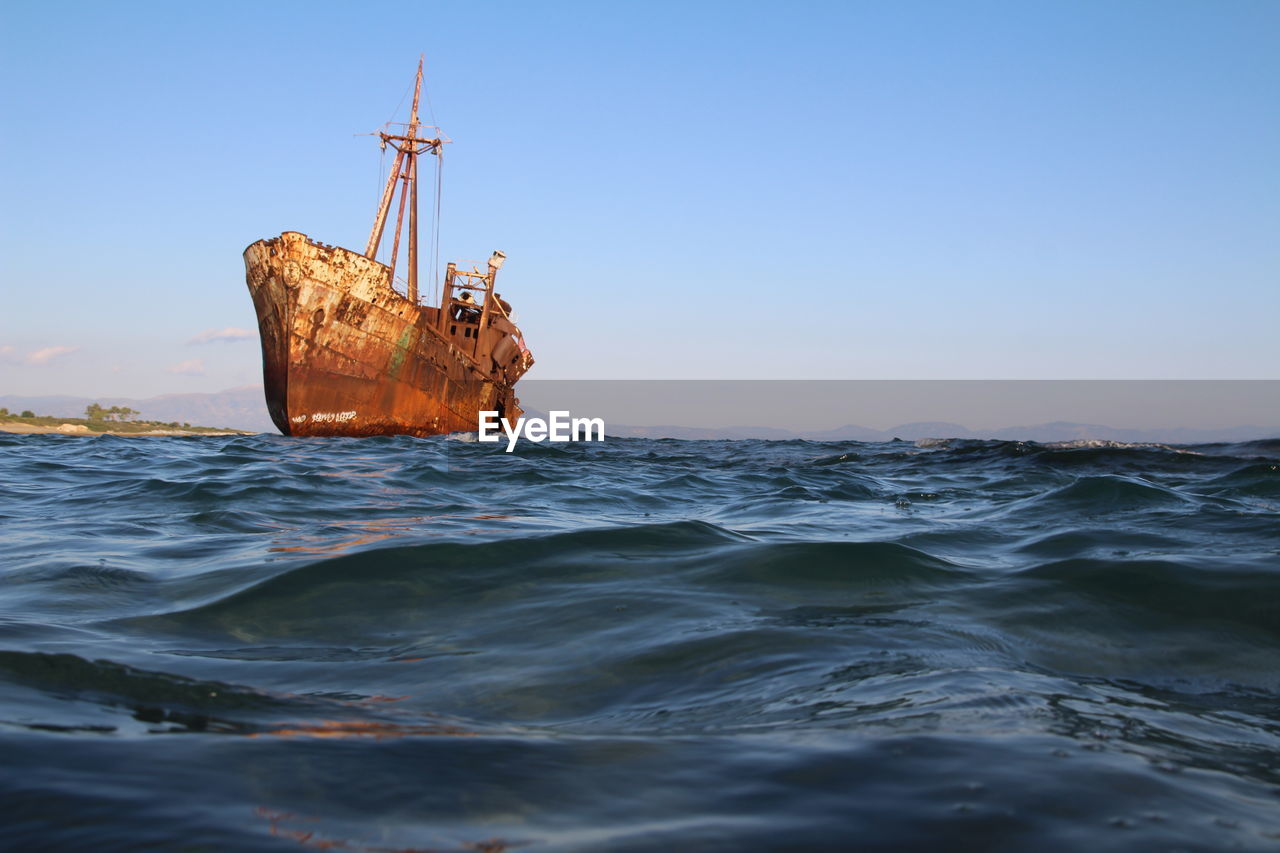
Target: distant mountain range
(244,408)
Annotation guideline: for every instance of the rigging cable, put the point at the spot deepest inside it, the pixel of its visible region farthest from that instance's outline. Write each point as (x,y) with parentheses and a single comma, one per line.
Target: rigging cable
(430,109)
(396,111)
(435,214)
(435,218)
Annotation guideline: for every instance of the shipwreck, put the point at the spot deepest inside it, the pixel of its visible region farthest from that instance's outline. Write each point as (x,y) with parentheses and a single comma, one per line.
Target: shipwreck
(344,352)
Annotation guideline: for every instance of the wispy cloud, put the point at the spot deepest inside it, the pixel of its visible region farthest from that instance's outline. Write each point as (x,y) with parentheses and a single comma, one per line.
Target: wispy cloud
(230,333)
(190,367)
(48,354)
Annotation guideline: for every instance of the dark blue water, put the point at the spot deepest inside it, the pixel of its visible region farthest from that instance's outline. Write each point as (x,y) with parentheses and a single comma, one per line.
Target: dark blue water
(385,644)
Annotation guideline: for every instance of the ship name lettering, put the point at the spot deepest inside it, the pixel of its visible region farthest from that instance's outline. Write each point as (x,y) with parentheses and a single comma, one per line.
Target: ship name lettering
(328,417)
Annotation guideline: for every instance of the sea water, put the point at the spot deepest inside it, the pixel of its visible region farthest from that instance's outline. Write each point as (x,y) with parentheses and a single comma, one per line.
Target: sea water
(261,643)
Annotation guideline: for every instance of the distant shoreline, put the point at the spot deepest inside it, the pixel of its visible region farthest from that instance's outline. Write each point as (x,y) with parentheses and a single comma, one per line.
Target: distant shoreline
(19,427)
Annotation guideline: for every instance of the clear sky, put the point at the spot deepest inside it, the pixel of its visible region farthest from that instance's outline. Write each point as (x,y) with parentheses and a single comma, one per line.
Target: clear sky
(712,190)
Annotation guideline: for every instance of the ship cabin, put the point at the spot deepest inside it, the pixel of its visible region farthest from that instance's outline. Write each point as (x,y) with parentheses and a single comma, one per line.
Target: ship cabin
(478,321)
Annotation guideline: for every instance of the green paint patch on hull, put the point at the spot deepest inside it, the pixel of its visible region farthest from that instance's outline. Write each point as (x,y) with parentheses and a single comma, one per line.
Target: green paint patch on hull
(401,352)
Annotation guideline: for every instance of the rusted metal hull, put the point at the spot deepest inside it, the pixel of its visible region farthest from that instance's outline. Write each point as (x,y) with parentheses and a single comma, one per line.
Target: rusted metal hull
(344,354)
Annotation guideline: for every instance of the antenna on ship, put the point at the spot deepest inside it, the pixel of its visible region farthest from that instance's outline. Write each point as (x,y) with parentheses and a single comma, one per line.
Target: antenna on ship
(404,171)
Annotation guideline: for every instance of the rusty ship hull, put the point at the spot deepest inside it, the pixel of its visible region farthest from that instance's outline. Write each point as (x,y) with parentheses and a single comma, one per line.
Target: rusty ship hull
(345,354)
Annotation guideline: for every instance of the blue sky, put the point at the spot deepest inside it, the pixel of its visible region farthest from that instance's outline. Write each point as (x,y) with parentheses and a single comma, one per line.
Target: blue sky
(708,190)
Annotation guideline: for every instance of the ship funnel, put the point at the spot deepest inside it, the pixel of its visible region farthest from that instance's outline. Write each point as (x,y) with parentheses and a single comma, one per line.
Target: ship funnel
(496,259)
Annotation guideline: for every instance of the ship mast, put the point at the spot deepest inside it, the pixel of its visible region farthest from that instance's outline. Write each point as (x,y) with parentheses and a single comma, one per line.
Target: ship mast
(404,171)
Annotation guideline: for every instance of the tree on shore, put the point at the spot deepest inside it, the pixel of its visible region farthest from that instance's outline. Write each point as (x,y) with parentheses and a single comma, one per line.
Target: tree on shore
(96,412)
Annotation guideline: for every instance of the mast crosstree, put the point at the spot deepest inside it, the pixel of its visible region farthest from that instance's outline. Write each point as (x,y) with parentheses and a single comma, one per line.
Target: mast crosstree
(404,171)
